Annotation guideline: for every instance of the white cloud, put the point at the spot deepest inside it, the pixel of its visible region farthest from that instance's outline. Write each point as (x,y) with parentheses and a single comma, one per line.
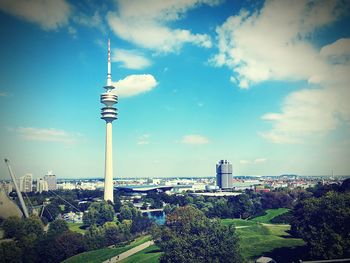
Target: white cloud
(260,160)
(94,21)
(143,139)
(274,43)
(256,161)
(131,59)
(134,85)
(337,52)
(146,23)
(48,135)
(50,15)
(194,139)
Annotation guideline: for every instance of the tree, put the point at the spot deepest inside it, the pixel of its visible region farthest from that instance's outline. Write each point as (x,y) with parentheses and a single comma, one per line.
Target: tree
(140,224)
(69,244)
(34,226)
(94,238)
(324,223)
(189,236)
(13,227)
(116,233)
(111,233)
(10,252)
(128,213)
(57,227)
(98,213)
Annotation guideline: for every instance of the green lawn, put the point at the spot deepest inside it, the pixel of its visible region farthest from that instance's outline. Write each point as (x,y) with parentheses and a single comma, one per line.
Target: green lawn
(237,222)
(148,255)
(258,236)
(270,214)
(255,240)
(100,255)
(75,227)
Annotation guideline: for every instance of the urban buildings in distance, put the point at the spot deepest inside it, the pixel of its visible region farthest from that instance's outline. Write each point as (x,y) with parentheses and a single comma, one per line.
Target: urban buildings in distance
(224,179)
(51,180)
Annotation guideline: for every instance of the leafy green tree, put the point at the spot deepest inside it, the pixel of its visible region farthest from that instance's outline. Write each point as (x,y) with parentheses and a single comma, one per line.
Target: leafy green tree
(69,244)
(13,227)
(125,213)
(111,233)
(324,223)
(94,238)
(128,212)
(33,225)
(140,224)
(117,203)
(189,236)
(57,227)
(98,213)
(10,252)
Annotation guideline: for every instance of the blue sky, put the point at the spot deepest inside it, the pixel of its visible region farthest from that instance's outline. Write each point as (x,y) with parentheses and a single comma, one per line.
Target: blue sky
(262,84)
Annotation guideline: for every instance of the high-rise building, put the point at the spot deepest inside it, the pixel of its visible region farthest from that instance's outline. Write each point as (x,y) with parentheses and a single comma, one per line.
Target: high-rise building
(42,185)
(224,178)
(109,114)
(51,180)
(26,183)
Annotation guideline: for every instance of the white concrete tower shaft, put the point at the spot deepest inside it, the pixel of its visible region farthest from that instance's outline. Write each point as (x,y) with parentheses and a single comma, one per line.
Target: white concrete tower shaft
(109,114)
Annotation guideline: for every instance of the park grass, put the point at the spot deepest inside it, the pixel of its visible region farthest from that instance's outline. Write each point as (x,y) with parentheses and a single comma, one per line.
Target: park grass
(100,255)
(270,214)
(150,254)
(237,222)
(75,227)
(258,237)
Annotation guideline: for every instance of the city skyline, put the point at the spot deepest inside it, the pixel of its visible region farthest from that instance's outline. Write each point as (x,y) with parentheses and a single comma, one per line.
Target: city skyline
(263,85)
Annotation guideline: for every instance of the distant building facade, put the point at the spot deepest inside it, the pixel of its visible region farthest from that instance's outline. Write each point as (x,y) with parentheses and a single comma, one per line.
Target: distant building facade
(224,178)
(26,183)
(41,185)
(51,180)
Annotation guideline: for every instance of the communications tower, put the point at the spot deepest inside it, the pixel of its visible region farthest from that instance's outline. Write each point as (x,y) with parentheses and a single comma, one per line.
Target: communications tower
(109,114)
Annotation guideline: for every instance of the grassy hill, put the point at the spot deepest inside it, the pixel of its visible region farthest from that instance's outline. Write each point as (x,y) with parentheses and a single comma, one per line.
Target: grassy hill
(149,255)
(75,227)
(270,214)
(258,236)
(100,255)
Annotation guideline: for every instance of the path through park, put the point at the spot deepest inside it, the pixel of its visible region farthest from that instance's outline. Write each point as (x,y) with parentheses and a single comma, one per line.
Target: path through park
(129,252)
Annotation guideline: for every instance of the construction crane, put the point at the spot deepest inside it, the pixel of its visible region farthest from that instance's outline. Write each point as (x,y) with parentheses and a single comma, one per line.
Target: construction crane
(19,194)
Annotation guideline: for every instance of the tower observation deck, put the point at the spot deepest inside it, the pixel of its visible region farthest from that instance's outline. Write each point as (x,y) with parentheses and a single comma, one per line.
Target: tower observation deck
(109,114)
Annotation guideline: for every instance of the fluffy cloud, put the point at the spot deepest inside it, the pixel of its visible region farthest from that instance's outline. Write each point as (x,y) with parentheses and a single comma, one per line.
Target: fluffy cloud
(135,84)
(145,23)
(49,14)
(143,139)
(274,44)
(256,161)
(47,135)
(130,59)
(194,139)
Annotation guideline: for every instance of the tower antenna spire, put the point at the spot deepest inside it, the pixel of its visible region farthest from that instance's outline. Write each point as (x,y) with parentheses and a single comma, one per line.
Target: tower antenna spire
(109,75)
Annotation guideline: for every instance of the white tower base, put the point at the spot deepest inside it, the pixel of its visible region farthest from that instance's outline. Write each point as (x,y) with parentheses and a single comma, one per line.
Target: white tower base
(108,189)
